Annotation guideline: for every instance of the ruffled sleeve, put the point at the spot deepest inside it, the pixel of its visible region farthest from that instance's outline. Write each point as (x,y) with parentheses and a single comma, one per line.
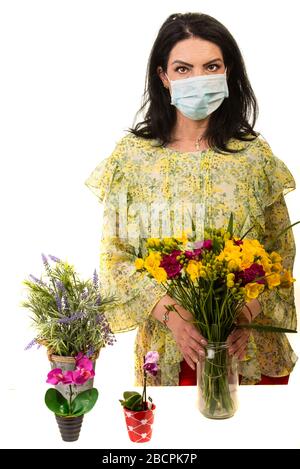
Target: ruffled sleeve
(101,178)
(276,177)
(136,293)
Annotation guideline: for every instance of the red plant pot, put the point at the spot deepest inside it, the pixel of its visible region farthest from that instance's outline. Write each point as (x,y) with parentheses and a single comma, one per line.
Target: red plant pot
(139,424)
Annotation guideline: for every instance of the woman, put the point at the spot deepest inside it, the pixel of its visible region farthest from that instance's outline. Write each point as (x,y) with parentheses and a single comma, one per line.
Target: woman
(196,147)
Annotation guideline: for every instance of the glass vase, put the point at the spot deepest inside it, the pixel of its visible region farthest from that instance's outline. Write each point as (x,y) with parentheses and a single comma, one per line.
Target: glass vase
(217,382)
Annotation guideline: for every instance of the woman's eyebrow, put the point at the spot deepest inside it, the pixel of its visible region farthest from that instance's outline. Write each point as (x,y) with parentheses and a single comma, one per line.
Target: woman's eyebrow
(190,65)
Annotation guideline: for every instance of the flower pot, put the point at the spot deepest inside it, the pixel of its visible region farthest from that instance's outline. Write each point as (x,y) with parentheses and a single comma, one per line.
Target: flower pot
(69,427)
(68,363)
(139,424)
(217,382)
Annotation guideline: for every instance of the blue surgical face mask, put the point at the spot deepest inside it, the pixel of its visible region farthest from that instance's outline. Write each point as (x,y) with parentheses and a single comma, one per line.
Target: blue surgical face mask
(197,97)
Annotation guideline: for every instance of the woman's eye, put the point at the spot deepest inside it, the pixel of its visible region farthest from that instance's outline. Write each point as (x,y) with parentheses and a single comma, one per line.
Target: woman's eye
(181,67)
(213,65)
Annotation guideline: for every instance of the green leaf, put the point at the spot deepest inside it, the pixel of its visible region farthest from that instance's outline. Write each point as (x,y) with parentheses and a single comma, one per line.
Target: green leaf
(248,231)
(128,394)
(133,401)
(84,402)
(230,225)
(56,402)
(261,327)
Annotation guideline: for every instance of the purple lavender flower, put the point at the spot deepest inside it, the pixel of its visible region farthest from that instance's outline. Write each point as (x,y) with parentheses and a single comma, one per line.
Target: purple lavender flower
(58,302)
(98,300)
(36,280)
(46,264)
(45,260)
(54,259)
(60,285)
(99,318)
(31,344)
(90,351)
(74,317)
(95,279)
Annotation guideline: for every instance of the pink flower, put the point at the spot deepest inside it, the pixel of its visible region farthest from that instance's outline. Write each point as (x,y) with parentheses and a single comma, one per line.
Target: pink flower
(171,265)
(150,365)
(84,369)
(81,375)
(151,368)
(83,362)
(152,357)
(55,376)
(206,244)
(68,377)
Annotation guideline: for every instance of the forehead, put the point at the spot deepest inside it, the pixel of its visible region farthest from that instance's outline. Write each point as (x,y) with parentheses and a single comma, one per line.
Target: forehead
(195,50)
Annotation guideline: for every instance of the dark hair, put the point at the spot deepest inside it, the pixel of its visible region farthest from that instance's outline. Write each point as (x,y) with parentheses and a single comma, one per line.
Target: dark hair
(231,119)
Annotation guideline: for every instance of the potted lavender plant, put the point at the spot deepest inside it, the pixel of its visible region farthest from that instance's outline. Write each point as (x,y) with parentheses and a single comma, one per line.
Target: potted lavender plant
(68,315)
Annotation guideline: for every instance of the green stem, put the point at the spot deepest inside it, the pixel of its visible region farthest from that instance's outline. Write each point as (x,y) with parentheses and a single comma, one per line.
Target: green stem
(70,399)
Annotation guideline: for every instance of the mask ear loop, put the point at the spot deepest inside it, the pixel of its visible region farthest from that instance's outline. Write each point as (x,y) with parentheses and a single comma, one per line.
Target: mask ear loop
(167,79)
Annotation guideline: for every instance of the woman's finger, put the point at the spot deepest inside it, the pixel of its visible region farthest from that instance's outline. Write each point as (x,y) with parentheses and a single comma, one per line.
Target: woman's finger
(189,361)
(196,336)
(240,341)
(193,344)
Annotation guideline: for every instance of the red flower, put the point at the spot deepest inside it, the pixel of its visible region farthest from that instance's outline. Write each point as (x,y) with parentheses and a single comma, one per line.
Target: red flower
(250,274)
(171,265)
(195,254)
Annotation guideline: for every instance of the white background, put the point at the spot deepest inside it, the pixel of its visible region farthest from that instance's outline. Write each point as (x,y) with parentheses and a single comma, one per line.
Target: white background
(72,78)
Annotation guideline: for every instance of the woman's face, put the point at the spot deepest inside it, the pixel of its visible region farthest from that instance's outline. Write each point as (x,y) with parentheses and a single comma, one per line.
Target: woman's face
(192,57)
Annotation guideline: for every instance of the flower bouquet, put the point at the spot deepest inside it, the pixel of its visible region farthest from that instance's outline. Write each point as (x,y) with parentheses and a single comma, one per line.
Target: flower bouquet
(69,412)
(215,278)
(138,412)
(68,314)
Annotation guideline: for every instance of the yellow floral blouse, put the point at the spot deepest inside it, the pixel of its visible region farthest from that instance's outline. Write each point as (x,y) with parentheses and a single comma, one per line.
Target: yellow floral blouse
(251,183)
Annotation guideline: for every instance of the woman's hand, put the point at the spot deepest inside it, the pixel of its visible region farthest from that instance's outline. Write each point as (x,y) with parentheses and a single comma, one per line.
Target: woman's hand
(188,338)
(239,338)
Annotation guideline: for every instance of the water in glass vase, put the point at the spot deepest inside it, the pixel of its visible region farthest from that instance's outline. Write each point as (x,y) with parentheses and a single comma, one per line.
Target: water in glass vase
(217,382)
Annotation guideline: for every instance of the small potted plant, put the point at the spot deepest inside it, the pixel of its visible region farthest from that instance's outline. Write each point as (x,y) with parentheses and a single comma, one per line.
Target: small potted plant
(138,410)
(68,314)
(69,411)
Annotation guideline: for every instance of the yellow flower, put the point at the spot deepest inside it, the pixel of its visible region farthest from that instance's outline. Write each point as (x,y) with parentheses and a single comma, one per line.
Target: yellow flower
(183,238)
(247,260)
(230,280)
(139,263)
(277,267)
(266,263)
(153,242)
(152,261)
(273,280)
(234,263)
(193,269)
(252,290)
(202,272)
(275,257)
(159,274)
(286,279)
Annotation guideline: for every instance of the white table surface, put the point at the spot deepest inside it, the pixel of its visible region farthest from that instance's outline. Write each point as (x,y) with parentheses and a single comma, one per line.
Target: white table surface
(268,417)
